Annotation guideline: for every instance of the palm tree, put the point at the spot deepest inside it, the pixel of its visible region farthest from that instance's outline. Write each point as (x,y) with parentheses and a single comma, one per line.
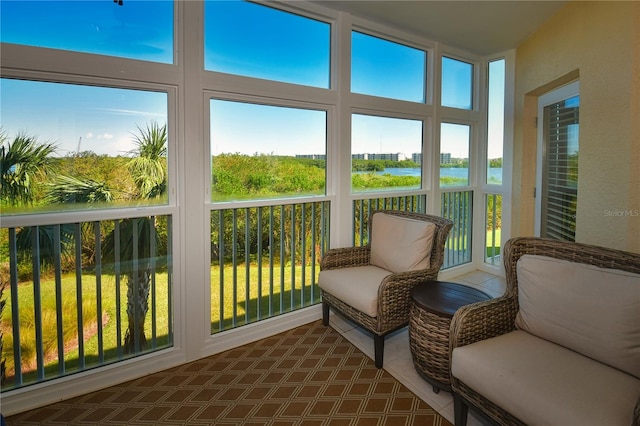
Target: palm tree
(21,163)
(135,253)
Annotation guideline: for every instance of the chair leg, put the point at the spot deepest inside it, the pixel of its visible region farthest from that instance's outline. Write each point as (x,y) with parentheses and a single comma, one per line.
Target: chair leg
(460,410)
(325,313)
(378,349)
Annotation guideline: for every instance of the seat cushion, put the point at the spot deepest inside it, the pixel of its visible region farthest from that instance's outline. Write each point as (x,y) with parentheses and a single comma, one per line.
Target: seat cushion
(591,310)
(357,287)
(541,383)
(400,244)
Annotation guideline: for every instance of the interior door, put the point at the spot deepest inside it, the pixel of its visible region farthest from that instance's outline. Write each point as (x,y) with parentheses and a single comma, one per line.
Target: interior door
(557,165)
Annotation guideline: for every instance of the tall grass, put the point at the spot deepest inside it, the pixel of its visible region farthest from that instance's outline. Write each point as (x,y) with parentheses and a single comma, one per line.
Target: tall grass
(96,321)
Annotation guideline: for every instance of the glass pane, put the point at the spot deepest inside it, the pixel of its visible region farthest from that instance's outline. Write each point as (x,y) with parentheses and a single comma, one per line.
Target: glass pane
(91,147)
(135,30)
(264,151)
(383,68)
(457,84)
(495,122)
(257,41)
(386,153)
(560,169)
(454,154)
(493,215)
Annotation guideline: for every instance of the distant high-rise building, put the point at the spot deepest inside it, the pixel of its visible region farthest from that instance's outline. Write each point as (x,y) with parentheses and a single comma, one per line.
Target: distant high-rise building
(312,156)
(445,158)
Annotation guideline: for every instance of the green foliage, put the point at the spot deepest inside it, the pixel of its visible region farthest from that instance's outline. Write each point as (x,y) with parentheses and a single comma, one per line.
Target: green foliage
(369,181)
(239,176)
(358,165)
(495,163)
(24,164)
(148,167)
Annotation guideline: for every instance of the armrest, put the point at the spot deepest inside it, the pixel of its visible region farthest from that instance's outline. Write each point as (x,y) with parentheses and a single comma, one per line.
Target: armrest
(394,295)
(346,257)
(483,320)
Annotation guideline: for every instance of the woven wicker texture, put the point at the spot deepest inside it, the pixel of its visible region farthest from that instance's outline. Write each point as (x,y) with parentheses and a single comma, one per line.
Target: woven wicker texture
(429,342)
(393,293)
(484,320)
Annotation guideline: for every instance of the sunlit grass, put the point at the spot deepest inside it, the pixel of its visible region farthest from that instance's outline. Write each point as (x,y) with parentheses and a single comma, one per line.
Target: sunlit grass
(108,327)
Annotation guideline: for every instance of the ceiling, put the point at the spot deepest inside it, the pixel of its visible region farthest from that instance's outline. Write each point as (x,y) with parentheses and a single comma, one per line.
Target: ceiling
(480,27)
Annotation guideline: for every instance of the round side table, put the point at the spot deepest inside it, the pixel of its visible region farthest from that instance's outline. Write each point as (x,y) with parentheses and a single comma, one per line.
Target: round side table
(432,307)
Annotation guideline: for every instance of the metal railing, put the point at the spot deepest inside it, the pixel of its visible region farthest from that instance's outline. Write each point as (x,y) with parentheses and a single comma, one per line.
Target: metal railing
(265,261)
(458,207)
(83,295)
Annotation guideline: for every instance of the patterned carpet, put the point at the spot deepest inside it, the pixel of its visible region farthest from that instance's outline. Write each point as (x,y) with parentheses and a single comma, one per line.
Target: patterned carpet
(310,375)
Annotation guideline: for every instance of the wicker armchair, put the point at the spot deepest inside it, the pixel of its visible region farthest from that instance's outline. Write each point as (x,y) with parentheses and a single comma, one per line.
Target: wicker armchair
(484,320)
(392,309)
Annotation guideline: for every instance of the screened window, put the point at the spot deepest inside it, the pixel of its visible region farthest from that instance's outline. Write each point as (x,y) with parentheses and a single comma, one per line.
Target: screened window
(252,40)
(90,147)
(386,153)
(454,154)
(457,84)
(383,68)
(264,151)
(135,30)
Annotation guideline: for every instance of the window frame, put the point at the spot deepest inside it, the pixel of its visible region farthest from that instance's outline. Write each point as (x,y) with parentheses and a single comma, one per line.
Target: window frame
(91,214)
(209,95)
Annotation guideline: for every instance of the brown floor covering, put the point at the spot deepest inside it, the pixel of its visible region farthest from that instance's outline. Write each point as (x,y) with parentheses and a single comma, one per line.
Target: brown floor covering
(310,375)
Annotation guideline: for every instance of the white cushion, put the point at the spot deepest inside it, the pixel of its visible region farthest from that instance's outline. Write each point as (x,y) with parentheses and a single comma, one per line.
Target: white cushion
(357,286)
(591,310)
(542,383)
(400,244)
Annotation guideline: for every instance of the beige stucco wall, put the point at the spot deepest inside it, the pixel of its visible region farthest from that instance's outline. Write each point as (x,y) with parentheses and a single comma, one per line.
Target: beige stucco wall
(599,43)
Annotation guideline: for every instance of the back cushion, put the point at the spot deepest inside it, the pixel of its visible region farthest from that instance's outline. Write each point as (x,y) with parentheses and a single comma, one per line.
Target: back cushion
(400,244)
(591,310)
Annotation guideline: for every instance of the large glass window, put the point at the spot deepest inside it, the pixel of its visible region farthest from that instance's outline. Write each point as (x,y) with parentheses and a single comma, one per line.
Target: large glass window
(383,68)
(252,40)
(457,84)
(454,154)
(495,121)
(386,153)
(135,29)
(264,151)
(67,146)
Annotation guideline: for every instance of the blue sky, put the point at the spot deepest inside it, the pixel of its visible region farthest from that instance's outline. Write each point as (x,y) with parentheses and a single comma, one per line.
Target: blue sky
(241,38)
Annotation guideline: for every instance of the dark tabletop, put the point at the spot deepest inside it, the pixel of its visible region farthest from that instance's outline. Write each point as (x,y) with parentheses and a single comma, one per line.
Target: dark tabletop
(444,298)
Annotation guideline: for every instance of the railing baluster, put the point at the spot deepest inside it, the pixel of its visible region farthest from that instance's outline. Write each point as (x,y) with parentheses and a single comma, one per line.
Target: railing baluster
(58,283)
(37,300)
(77,232)
(15,307)
(136,285)
(117,269)
(271,260)
(292,229)
(152,268)
(96,230)
(221,251)
(303,252)
(234,264)
(259,261)
(247,264)
(282,256)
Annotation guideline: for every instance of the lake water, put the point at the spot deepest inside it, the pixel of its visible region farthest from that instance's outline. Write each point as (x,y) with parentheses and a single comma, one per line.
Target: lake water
(495,174)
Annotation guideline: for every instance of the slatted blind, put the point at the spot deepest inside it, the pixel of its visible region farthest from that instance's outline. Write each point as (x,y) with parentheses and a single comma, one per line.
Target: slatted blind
(560,170)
